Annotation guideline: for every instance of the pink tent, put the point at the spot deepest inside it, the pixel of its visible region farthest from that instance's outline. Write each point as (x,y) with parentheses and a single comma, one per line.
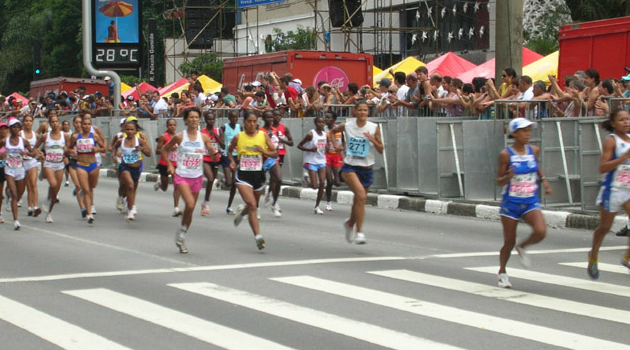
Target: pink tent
(450,65)
(173,86)
(139,89)
(486,70)
(19,98)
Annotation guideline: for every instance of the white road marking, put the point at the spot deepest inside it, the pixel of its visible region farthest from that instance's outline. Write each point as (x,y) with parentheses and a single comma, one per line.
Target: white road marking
(584,284)
(192,326)
(52,329)
(601,266)
(451,314)
(344,326)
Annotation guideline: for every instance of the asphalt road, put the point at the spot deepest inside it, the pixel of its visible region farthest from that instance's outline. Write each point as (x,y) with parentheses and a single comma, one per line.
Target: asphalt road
(422,281)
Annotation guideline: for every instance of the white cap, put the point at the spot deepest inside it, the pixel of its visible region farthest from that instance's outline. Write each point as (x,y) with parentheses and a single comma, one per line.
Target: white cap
(297,81)
(122,121)
(86,97)
(14,121)
(518,123)
(214,98)
(256,83)
(107,78)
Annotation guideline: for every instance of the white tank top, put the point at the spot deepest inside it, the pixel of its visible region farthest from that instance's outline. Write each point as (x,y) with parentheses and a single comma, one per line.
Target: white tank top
(318,141)
(190,156)
(32,141)
(54,149)
(359,150)
(130,155)
(619,178)
(14,158)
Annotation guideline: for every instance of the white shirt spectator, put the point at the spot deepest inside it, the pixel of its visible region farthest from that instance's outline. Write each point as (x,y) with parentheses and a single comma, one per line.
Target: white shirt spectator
(200,100)
(160,106)
(401,95)
(527,95)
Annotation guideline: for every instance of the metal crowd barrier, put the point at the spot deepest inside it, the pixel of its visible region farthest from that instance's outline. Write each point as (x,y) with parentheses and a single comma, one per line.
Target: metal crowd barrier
(533,109)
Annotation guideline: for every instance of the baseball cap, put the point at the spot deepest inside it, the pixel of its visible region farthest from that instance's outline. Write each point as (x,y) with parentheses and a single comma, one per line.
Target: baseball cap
(129,98)
(130,119)
(385,82)
(519,123)
(107,78)
(3,124)
(214,98)
(14,121)
(297,81)
(256,83)
(85,97)
(122,121)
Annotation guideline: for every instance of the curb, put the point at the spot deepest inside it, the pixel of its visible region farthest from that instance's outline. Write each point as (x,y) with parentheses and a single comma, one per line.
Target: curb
(554,219)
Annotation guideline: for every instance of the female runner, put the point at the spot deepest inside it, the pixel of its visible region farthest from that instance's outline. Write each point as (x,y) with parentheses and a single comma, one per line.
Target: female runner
(334,160)
(128,150)
(284,135)
(30,166)
(4,134)
(272,165)
(171,130)
(72,168)
(212,161)
(314,147)
(65,127)
(228,131)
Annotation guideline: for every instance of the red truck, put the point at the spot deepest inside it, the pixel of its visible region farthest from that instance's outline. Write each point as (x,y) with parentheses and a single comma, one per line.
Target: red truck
(603,45)
(57,85)
(337,68)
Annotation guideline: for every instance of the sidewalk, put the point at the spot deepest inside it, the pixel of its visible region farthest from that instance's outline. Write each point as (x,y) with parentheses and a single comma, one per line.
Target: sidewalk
(554,219)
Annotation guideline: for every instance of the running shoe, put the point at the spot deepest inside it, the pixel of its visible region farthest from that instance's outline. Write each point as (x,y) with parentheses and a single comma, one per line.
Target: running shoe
(7,200)
(349,231)
(317,211)
(46,207)
(1,219)
(592,269)
(90,219)
(623,232)
(205,209)
(49,218)
(177,212)
(36,211)
(156,186)
(130,215)
(328,207)
(239,215)
(504,281)
(74,192)
(134,210)
(83,213)
(29,211)
(66,184)
(260,242)
(524,259)
(276,211)
(93,211)
(180,238)
(120,204)
(625,261)
(359,238)
(16,225)
(20,203)
(229,211)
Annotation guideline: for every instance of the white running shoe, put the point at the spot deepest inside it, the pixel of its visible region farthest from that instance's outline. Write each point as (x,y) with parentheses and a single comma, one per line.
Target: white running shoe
(239,215)
(205,209)
(317,211)
(328,206)
(134,210)
(156,186)
(349,231)
(229,211)
(1,219)
(504,281)
(66,184)
(276,211)
(359,238)
(49,218)
(260,242)
(20,203)
(130,215)
(93,211)
(16,225)
(180,239)
(177,212)
(524,259)
(120,204)
(90,219)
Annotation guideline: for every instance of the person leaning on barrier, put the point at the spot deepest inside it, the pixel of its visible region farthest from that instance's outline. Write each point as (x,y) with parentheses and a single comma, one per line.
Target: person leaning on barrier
(409,103)
(452,103)
(591,82)
(575,106)
(527,93)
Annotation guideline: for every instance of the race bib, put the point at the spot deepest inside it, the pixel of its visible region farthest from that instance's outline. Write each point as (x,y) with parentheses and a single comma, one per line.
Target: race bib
(523,186)
(54,155)
(622,177)
(215,146)
(85,146)
(131,158)
(172,156)
(192,161)
(275,141)
(250,162)
(358,147)
(14,160)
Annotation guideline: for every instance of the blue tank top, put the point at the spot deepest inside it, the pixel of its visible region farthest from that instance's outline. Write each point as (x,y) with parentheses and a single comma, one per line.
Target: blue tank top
(523,187)
(229,135)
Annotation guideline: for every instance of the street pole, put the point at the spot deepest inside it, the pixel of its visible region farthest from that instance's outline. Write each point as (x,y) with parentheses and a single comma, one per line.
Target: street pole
(508,37)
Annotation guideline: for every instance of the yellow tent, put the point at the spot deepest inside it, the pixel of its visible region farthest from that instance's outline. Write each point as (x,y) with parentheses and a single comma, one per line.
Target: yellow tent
(375,71)
(210,86)
(407,66)
(124,87)
(539,70)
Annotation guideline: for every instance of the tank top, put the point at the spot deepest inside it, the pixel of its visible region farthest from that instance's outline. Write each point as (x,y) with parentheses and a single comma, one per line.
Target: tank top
(250,159)
(172,155)
(619,178)
(32,141)
(14,157)
(359,150)
(216,157)
(273,135)
(229,135)
(523,187)
(333,141)
(190,156)
(85,145)
(54,148)
(281,133)
(130,155)
(318,141)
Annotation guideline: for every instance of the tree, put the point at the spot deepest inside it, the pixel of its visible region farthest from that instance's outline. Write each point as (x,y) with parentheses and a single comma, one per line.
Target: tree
(303,39)
(208,64)
(591,10)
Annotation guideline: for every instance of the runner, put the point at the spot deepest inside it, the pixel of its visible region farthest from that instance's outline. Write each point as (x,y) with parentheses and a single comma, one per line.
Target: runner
(314,147)
(99,155)
(171,130)
(54,142)
(87,145)
(211,162)
(335,144)
(65,127)
(228,131)
(364,138)
(272,165)
(30,166)
(128,150)
(251,145)
(72,168)
(188,177)
(4,134)
(615,191)
(518,173)
(15,148)
(284,135)
(120,201)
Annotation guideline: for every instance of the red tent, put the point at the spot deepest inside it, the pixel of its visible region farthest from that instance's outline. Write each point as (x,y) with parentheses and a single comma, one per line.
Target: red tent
(19,98)
(450,65)
(139,89)
(168,88)
(486,70)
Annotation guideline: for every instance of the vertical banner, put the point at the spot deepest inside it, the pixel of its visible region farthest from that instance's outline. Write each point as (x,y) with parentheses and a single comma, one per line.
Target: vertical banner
(151,68)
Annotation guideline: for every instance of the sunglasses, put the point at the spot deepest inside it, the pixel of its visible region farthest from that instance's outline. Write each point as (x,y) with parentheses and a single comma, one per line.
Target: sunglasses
(503,75)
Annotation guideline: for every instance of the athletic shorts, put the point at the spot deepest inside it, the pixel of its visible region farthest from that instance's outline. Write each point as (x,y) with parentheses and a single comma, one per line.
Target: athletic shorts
(163,170)
(30,164)
(134,172)
(17,173)
(225,161)
(334,160)
(269,163)
(314,167)
(195,183)
(253,179)
(365,175)
(214,165)
(72,163)
(2,175)
(612,199)
(87,167)
(54,166)
(515,210)
(281,159)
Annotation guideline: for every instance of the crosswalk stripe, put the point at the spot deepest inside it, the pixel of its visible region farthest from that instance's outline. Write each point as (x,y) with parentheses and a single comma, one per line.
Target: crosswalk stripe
(337,324)
(52,329)
(571,282)
(515,296)
(473,319)
(601,266)
(192,326)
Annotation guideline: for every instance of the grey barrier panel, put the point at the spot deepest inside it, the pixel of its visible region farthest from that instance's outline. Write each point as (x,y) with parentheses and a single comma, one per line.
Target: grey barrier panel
(293,160)
(391,133)
(483,141)
(427,162)
(450,159)
(591,139)
(560,157)
(406,153)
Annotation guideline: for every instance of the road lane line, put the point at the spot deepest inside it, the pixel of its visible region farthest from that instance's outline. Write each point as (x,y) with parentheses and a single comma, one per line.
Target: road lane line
(534,252)
(601,266)
(584,284)
(512,295)
(337,324)
(56,331)
(192,326)
(446,313)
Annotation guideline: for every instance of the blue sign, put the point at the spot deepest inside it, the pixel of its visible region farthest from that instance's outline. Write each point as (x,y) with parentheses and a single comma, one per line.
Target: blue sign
(252,3)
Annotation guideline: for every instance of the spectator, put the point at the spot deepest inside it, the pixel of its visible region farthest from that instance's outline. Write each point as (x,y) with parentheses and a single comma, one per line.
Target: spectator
(229,100)
(353,94)
(424,92)
(196,93)
(290,94)
(312,103)
(409,102)
(591,82)
(507,75)
(268,84)
(453,104)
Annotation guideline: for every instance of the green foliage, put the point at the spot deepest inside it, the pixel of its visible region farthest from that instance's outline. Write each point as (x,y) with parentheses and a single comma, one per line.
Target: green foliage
(303,39)
(208,64)
(131,80)
(591,10)
(543,46)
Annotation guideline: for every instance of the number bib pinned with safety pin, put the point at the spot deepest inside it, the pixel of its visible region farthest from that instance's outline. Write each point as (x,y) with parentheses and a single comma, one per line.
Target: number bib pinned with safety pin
(250,162)
(191,161)
(622,177)
(358,147)
(14,160)
(523,186)
(54,155)
(85,146)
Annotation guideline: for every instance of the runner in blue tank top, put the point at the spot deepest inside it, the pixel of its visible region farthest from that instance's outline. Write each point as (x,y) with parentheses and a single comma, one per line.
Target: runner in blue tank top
(519,173)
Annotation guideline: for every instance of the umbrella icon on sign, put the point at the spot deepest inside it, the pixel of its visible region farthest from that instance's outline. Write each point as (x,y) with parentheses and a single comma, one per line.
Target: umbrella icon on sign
(115,9)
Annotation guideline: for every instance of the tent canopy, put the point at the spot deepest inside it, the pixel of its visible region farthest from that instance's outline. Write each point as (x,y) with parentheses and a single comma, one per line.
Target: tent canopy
(450,65)
(209,85)
(407,66)
(139,89)
(486,70)
(19,98)
(124,88)
(375,71)
(541,69)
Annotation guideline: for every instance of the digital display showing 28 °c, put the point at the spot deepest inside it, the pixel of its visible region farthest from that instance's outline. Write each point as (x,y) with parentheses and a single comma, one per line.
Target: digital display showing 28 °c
(106,56)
